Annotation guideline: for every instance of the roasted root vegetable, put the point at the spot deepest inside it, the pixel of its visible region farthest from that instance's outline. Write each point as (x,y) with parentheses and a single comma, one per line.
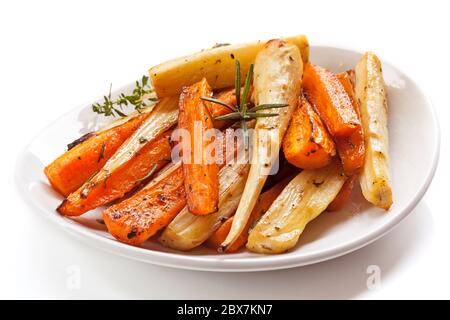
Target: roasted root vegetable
(371,92)
(307,143)
(188,231)
(277,79)
(163,116)
(216,65)
(136,219)
(139,217)
(344,194)
(264,202)
(351,149)
(201,174)
(141,166)
(327,94)
(88,155)
(303,199)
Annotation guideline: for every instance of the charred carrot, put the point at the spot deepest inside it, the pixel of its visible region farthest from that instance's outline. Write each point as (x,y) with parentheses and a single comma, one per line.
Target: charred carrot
(263,203)
(351,149)
(327,94)
(201,175)
(87,155)
(344,194)
(147,161)
(307,143)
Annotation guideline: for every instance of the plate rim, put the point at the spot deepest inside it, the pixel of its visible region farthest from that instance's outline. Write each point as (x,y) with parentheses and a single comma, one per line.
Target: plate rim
(247,264)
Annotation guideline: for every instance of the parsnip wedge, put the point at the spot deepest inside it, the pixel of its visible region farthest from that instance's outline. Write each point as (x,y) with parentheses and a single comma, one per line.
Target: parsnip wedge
(303,199)
(216,65)
(188,231)
(371,93)
(277,79)
(163,116)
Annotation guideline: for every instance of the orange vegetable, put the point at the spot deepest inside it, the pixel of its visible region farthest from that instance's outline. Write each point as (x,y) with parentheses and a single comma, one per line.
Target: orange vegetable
(262,205)
(351,149)
(342,197)
(87,155)
(147,161)
(307,143)
(136,219)
(327,94)
(201,178)
(139,217)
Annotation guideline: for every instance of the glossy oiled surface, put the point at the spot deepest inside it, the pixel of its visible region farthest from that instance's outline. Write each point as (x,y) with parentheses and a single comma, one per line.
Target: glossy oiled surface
(413,158)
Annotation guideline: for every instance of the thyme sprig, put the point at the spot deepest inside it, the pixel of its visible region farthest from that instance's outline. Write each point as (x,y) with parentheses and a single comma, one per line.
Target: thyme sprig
(240,111)
(141,97)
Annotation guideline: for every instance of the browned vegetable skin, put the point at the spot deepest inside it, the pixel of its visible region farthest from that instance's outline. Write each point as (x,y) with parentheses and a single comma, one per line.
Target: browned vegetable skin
(277,79)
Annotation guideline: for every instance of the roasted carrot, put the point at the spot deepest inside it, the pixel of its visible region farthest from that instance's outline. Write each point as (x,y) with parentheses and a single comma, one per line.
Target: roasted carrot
(351,149)
(147,161)
(87,155)
(307,143)
(263,203)
(327,94)
(344,194)
(136,219)
(201,175)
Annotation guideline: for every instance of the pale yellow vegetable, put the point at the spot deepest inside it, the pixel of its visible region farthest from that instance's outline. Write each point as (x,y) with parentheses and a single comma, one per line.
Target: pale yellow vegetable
(277,79)
(188,231)
(216,65)
(163,116)
(371,93)
(303,199)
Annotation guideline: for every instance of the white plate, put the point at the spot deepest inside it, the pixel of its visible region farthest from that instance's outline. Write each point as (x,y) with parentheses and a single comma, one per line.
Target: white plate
(414,149)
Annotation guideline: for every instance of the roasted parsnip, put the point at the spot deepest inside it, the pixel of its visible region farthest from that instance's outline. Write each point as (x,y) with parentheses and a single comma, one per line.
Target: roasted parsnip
(371,93)
(303,199)
(277,79)
(216,65)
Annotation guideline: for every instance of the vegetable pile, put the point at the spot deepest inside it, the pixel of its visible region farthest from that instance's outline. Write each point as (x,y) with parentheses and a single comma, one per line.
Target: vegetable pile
(236,146)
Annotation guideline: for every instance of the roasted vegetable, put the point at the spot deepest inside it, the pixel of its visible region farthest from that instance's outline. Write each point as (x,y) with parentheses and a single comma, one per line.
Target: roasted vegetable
(351,149)
(201,175)
(327,94)
(371,93)
(139,217)
(278,74)
(141,166)
(88,155)
(303,199)
(216,65)
(307,143)
(344,194)
(162,118)
(188,231)
(264,202)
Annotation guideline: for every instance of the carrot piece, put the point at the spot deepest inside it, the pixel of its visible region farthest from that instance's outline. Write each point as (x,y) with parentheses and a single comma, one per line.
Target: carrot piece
(139,217)
(344,194)
(327,94)
(351,149)
(87,155)
(307,143)
(148,160)
(262,205)
(201,176)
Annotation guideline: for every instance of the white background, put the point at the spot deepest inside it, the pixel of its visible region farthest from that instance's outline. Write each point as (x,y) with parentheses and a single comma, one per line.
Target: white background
(55,55)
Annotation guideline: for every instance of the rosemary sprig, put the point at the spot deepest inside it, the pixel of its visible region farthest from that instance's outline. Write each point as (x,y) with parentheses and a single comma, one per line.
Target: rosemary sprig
(240,111)
(139,98)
